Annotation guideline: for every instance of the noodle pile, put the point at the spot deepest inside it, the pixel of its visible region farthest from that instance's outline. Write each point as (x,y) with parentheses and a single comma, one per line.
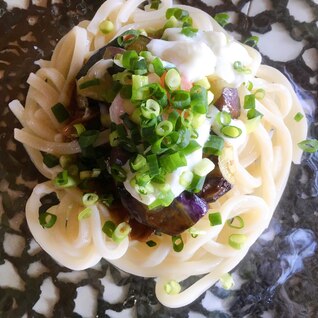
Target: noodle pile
(259,167)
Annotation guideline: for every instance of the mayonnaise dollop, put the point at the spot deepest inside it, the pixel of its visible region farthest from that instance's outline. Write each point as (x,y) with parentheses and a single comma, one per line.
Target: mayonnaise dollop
(207,53)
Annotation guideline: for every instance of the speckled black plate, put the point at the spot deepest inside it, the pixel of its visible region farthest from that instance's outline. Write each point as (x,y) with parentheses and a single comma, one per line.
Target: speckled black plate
(278,277)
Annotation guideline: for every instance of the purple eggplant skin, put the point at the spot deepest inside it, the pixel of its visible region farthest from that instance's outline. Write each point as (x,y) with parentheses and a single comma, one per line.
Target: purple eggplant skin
(185,210)
(215,185)
(229,101)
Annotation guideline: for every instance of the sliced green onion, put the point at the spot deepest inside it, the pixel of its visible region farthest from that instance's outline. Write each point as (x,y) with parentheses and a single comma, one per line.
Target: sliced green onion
(198,120)
(138,163)
(89,199)
(237,241)
(121,232)
(153,165)
(60,112)
(189,31)
(172,287)
(173,79)
(106,26)
(231,131)
(227,281)
(84,214)
(150,109)
(204,82)
(158,66)
(138,81)
(252,124)
(240,68)
(197,183)
(259,93)
(172,162)
(178,13)
(109,228)
(47,220)
(164,128)
(214,145)
(236,223)
(191,147)
(203,167)
(129,59)
(50,160)
(223,118)
(128,38)
(118,173)
(215,218)
(88,138)
(89,83)
(252,40)
(107,199)
(114,138)
(195,233)
(63,180)
(199,99)
(165,199)
(249,85)
(309,145)
(79,129)
(151,243)
(185,178)
(222,18)
(253,113)
(249,101)
(177,243)
(180,99)
(154,4)
(298,117)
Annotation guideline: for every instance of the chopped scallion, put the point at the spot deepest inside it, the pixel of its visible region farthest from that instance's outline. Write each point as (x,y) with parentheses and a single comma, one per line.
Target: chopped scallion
(203,167)
(237,241)
(309,145)
(189,31)
(47,220)
(84,214)
(121,231)
(109,228)
(236,223)
(60,112)
(298,117)
(252,40)
(177,243)
(214,145)
(89,83)
(50,160)
(172,287)
(151,243)
(227,281)
(215,218)
(87,138)
(173,79)
(231,131)
(89,199)
(222,18)
(63,180)
(240,68)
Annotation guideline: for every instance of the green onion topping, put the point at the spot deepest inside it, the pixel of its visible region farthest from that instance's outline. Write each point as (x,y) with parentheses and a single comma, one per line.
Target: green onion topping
(89,199)
(50,160)
(298,117)
(151,243)
(231,131)
(227,281)
(236,223)
(252,40)
(222,19)
(177,243)
(60,112)
(237,241)
(84,214)
(47,220)
(109,228)
(89,83)
(309,145)
(172,287)
(215,218)
(121,232)
(240,68)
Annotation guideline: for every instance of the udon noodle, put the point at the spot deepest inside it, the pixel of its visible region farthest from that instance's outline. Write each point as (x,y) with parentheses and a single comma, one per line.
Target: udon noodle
(259,165)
